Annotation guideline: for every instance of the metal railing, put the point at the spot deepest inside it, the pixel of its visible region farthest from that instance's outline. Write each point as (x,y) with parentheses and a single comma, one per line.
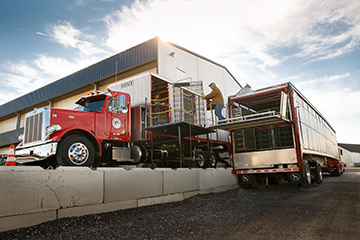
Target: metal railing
(186,106)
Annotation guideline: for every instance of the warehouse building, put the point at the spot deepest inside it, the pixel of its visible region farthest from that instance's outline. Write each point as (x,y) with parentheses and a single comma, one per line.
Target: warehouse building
(163,59)
(350,154)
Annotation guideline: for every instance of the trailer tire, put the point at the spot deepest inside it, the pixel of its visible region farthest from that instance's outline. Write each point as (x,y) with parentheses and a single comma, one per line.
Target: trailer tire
(199,153)
(319,174)
(245,179)
(307,175)
(212,159)
(250,180)
(75,150)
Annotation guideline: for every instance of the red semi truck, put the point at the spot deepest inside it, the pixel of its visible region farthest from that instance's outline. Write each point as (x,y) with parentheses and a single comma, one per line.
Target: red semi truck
(113,127)
(278,134)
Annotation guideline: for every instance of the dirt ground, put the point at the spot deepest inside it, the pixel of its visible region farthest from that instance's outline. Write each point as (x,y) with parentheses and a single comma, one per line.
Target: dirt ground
(327,211)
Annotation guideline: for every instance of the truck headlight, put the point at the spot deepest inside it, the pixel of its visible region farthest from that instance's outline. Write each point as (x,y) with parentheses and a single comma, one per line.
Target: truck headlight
(51,129)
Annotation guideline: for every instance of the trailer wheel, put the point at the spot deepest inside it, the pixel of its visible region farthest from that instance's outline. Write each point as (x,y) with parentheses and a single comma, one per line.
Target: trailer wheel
(307,174)
(250,180)
(76,150)
(199,153)
(245,179)
(212,159)
(319,174)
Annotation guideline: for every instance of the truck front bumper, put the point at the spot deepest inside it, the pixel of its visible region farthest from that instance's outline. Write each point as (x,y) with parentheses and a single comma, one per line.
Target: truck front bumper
(35,153)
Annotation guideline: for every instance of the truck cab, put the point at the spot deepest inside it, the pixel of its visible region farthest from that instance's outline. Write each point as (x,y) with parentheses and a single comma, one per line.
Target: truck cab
(78,137)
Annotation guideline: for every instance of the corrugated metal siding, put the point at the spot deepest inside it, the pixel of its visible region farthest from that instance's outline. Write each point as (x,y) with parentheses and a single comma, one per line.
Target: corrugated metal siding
(10,137)
(132,57)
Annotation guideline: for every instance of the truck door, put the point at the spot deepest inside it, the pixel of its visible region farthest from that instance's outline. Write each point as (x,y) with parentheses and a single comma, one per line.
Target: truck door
(117,118)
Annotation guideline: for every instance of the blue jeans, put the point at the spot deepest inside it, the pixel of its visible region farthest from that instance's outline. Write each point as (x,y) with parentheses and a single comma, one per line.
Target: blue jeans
(218,109)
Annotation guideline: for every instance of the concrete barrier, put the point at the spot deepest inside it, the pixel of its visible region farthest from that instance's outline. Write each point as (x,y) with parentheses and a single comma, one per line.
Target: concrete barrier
(34,189)
(32,195)
(180,180)
(136,183)
(212,179)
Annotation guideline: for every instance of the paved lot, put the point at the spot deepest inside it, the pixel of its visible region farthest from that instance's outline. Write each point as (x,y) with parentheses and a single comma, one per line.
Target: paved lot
(327,211)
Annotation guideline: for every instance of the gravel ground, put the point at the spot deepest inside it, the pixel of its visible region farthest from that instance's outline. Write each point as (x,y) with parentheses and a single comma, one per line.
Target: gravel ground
(327,211)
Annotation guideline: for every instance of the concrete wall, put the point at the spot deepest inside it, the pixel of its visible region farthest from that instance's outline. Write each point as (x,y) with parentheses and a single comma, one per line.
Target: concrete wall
(32,195)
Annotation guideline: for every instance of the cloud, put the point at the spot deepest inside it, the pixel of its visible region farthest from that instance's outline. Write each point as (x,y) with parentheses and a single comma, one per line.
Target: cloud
(337,101)
(67,35)
(325,80)
(26,76)
(42,34)
(22,77)
(250,28)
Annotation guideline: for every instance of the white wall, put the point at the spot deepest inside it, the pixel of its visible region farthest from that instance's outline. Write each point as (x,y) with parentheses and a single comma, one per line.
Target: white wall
(355,157)
(8,125)
(184,64)
(346,157)
(196,68)
(119,80)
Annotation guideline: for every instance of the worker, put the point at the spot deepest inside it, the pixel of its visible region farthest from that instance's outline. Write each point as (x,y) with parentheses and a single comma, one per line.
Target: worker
(217,100)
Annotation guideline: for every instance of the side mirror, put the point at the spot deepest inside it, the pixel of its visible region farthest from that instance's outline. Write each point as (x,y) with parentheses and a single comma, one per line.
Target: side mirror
(124,110)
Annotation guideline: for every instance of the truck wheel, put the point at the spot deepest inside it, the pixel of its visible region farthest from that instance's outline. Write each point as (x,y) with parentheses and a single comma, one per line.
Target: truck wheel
(307,175)
(319,174)
(337,171)
(212,159)
(199,153)
(76,151)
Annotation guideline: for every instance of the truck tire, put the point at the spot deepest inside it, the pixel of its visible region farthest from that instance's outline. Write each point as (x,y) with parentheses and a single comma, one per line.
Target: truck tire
(199,153)
(76,150)
(212,159)
(307,175)
(319,174)
(337,171)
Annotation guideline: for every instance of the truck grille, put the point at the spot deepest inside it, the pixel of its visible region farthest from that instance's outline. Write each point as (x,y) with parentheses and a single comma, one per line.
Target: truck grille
(33,128)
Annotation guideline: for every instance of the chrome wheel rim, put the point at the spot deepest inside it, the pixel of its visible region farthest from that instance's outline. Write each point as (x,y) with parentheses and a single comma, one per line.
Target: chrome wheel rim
(78,153)
(212,161)
(245,178)
(202,161)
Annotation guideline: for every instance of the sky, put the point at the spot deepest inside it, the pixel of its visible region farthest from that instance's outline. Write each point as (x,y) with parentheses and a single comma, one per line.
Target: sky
(313,44)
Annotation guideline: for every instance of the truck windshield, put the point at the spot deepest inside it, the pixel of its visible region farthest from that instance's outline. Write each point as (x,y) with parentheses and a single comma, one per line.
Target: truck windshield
(92,104)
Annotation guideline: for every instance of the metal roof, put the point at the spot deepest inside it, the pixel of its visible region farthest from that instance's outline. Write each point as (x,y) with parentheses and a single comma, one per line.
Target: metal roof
(350,147)
(130,58)
(135,56)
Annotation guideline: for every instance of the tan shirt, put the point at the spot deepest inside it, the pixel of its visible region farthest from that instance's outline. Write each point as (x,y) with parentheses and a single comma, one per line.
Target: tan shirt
(216,96)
